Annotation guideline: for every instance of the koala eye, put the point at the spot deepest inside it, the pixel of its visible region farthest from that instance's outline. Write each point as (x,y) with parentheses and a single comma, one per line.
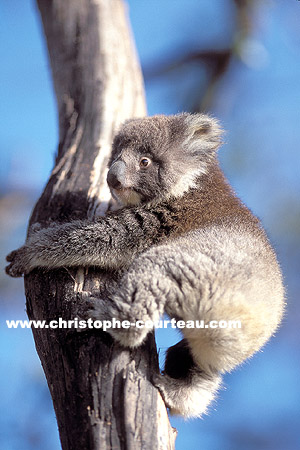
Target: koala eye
(145,162)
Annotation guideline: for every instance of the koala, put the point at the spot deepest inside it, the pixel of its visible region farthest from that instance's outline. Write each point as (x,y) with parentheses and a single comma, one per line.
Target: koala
(183,244)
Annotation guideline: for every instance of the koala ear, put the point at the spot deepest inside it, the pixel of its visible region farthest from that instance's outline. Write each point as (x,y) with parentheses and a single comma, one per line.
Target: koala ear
(203,132)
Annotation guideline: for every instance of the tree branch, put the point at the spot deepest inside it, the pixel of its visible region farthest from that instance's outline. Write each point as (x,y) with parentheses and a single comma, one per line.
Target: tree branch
(101,393)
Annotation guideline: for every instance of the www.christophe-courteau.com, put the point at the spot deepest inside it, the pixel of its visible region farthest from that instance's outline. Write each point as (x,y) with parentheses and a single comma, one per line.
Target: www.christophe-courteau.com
(105,325)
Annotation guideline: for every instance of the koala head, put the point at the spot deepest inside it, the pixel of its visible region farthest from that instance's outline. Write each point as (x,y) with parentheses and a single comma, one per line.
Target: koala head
(158,157)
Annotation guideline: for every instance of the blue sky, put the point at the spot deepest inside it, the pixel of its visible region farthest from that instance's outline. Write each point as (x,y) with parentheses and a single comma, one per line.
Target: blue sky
(258,103)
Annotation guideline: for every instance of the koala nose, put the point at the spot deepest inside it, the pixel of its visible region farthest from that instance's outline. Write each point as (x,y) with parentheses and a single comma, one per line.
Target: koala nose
(116,175)
(113,181)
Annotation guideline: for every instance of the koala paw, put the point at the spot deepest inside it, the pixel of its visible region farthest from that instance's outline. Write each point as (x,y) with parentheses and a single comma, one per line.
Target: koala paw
(19,262)
(90,307)
(187,397)
(161,383)
(104,310)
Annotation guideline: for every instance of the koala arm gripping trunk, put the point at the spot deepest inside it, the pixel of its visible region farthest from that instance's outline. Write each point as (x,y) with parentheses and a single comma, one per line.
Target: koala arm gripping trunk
(109,242)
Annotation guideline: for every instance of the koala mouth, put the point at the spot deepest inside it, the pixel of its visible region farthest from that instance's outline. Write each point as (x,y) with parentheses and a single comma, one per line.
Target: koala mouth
(126,196)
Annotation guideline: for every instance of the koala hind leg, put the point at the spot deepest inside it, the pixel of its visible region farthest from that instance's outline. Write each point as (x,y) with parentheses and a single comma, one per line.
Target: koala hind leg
(138,298)
(187,390)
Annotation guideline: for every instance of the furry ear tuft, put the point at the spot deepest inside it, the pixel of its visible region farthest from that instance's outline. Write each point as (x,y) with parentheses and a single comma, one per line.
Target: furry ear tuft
(203,132)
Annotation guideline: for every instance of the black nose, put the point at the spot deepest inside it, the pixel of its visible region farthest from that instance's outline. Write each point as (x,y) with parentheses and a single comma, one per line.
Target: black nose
(113,181)
(116,175)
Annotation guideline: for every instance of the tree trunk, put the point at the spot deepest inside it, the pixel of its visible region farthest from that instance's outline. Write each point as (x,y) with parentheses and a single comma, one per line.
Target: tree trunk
(101,393)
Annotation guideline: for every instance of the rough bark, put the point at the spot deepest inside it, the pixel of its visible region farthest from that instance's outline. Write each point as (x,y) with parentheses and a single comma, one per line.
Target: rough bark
(101,393)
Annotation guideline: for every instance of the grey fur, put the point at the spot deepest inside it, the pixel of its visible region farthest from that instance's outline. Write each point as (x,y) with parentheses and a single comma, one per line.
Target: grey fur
(184,244)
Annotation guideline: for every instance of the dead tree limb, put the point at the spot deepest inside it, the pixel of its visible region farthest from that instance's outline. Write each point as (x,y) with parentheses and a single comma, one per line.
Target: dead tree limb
(101,393)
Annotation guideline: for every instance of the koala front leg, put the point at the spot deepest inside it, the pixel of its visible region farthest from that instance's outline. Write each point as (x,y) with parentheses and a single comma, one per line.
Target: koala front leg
(56,246)
(109,242)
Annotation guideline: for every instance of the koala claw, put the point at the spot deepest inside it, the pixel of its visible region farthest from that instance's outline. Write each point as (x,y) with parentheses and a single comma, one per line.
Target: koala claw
(10,257)
(88,306)
(158,380)
(13,271)
(17,266)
